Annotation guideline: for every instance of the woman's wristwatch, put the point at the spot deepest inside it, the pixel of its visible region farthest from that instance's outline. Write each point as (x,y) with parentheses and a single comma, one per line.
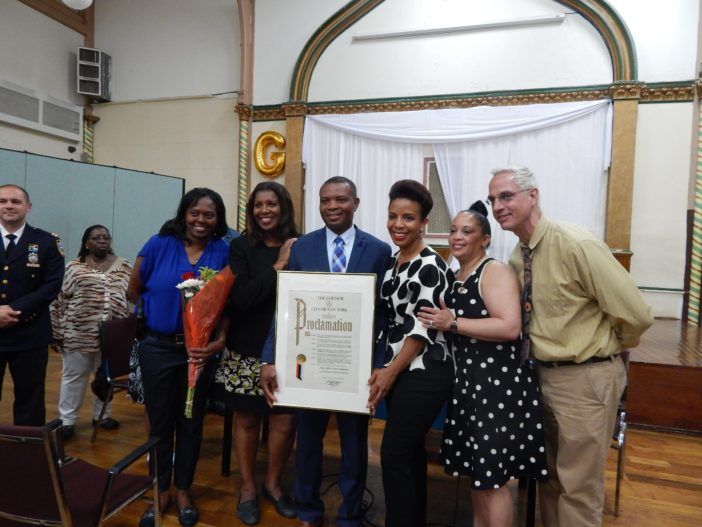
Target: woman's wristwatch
(454,326)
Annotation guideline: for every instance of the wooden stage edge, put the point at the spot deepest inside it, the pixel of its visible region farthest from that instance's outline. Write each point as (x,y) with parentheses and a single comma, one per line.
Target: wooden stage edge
(665,378)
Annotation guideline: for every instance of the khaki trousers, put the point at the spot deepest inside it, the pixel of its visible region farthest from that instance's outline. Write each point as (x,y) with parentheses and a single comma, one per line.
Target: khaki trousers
(579,409)
(77,368)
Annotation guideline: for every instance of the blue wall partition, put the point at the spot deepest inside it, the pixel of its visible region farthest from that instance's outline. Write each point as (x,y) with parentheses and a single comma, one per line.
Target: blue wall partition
(68,196)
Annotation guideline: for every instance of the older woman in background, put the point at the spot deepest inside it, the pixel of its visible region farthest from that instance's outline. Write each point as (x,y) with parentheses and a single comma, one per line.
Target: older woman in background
(493,431)
(418,376)
(255,258)
(191,240)
(94,290)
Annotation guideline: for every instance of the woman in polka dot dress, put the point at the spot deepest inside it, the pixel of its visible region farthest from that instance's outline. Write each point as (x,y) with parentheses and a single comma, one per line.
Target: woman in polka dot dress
(493,431)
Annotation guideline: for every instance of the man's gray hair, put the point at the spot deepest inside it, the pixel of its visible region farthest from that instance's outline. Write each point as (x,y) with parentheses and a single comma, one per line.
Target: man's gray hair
(521,175)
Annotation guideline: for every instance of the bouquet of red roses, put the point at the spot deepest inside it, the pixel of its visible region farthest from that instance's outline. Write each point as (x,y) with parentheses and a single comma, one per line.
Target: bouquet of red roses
(204,298)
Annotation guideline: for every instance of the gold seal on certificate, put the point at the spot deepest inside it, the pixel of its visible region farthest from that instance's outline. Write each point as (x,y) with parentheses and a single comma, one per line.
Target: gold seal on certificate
(324,339)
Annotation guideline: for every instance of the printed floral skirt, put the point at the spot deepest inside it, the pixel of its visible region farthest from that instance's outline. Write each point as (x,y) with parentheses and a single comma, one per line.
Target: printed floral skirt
(236,384)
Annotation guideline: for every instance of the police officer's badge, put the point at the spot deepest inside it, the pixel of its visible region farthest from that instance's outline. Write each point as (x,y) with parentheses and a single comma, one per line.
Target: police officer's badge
(33,255)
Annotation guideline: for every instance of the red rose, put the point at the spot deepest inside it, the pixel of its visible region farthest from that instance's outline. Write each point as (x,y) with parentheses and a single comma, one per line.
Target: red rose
(188,275)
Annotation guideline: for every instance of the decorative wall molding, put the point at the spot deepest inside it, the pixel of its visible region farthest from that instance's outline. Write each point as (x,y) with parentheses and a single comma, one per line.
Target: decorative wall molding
(646,93)
(626,90)
(614,33)
(294,109)
(670,92)
(244,111)
(468,101)
(599,13)
(320,40)
(269,113)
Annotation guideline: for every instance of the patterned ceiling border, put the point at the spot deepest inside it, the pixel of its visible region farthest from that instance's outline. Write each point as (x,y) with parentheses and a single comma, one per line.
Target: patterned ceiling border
(658,92)
(599,13)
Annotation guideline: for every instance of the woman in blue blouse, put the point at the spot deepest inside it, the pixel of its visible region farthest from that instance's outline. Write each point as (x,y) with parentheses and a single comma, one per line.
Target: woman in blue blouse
(191,240)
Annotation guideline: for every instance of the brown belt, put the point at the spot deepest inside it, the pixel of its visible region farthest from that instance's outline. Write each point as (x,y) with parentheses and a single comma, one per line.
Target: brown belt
(558,363)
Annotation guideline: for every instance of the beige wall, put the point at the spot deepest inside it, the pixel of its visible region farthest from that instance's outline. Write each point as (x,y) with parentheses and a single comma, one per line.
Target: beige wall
(195,139)
(658,223)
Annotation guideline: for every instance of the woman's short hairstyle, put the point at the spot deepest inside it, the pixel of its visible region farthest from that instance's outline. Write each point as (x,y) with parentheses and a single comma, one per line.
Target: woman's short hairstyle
(176,226)
(83,252)
(286,227)
(479,212)
(413,191)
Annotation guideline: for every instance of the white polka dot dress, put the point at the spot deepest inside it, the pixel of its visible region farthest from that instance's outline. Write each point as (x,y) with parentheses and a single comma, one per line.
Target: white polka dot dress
(493,430)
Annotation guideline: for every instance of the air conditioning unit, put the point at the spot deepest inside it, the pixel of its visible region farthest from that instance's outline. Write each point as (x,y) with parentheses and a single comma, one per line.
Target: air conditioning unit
(94,74)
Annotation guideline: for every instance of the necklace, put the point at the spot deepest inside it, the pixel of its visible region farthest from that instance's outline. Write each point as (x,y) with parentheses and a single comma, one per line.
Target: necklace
(99,266)
(465,271)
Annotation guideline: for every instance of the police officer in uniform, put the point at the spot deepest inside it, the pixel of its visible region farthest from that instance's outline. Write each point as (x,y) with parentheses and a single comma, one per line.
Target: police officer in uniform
(31,273)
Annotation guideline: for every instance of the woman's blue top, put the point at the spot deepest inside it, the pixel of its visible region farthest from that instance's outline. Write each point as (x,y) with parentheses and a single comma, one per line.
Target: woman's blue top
(163,265)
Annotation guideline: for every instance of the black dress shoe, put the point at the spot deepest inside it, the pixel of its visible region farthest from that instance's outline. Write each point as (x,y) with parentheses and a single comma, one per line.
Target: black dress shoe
(148,519)
(284,505)
(188,516)
(248,511)
(67,431)
(107,424)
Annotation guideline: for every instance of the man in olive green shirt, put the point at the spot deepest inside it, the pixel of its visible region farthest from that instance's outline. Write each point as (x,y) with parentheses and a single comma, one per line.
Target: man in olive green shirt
(584,310)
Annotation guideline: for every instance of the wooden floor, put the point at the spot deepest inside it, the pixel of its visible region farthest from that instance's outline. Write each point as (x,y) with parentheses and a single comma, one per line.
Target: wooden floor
(672,342)
(662,485)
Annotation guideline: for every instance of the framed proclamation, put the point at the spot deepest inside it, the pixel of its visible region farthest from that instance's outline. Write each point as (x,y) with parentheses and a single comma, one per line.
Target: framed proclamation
(324,340)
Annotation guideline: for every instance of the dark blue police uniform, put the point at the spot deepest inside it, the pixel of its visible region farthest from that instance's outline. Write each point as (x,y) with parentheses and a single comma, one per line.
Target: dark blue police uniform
(30,279)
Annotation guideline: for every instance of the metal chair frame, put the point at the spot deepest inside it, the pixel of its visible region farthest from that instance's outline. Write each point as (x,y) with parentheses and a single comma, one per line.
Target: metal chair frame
(57,461)
(116,379)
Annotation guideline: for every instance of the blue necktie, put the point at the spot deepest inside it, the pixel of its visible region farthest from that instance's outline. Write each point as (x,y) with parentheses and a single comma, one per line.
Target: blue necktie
(338,256)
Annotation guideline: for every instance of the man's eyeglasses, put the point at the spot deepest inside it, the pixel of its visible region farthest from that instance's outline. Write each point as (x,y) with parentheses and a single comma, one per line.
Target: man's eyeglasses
(504,197)
(100,237)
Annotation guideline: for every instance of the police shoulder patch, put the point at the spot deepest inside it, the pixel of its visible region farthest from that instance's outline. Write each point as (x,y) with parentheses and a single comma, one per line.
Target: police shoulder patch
(59,244)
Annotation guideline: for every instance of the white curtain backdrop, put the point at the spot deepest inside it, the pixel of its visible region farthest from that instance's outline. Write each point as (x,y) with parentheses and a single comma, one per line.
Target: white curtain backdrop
(567,146)
(373,165)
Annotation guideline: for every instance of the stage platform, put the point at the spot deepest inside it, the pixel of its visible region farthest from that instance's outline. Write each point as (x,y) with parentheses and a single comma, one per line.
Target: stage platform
(665,378)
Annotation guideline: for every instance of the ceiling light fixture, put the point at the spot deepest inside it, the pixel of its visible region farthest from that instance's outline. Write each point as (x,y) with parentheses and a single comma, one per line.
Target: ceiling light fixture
(78,5)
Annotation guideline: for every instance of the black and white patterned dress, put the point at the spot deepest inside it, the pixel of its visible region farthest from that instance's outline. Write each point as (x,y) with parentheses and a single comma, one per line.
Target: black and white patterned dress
(493,430)
(406,288)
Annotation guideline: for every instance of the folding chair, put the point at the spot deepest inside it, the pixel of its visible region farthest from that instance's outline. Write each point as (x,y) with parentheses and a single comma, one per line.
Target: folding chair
(116,342)
(42,487)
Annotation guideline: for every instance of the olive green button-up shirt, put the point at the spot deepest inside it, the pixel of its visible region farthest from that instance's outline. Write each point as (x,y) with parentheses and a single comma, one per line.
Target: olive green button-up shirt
(584,303)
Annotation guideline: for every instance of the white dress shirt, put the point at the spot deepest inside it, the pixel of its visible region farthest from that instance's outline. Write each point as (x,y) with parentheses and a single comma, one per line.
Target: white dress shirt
(4,232)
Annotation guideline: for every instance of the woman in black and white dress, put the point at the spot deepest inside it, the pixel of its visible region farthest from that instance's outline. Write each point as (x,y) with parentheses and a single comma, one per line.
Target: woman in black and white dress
(419,372)
(493,431)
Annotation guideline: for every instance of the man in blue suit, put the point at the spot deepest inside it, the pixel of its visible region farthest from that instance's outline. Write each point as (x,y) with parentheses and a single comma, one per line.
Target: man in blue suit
(338,247)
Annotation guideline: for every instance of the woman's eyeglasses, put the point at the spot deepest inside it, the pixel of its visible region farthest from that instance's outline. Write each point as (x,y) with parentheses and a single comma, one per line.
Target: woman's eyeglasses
(100,237)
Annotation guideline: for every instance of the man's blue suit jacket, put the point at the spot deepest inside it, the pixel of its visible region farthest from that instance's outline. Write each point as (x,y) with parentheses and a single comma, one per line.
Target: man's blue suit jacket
(369,255)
